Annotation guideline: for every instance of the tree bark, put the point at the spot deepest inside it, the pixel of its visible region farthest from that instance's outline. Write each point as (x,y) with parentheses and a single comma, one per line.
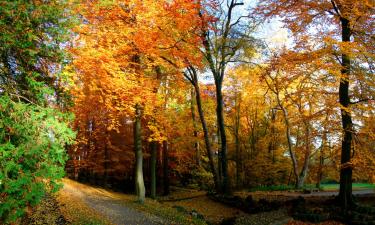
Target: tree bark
(206,137)
(345,195)
(237,139)
(153,148)
(321,161)
(290,148)
(223,138)
(154,144)
(165,168)
(139,182)
(219,165)
(306,161)
(106,161)
(196,144)
(193,78)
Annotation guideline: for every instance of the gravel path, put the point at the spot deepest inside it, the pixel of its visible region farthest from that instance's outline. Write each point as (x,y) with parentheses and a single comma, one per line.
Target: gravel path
(115,210)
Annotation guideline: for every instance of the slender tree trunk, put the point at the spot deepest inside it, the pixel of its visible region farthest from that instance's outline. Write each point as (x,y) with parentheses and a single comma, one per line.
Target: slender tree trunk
(196,144)
(106,161)
(139,182)
(153,148)
(321,161)
(165,168)
(223,137)
(206,136)
(237,140)
(219,165)
(193,78)
(272,145)
(345,194)
(290,148)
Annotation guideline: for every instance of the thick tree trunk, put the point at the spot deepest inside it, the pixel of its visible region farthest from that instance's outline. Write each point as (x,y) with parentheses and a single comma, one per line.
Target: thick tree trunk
(206,136)
(165,168)
(154,144)
(153,148)
(345,195)
(139,182)
(223,137)
(305,166)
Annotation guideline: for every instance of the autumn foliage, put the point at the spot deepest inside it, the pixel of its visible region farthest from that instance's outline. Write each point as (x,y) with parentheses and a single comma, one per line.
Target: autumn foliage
(186,92)
(282,115)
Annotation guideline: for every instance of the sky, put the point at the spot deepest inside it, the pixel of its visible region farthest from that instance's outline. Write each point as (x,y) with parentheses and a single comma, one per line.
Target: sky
(271,32)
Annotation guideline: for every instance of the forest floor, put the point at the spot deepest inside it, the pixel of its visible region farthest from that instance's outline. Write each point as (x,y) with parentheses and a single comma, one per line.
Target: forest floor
(82,204)
(184,206)
(111,206)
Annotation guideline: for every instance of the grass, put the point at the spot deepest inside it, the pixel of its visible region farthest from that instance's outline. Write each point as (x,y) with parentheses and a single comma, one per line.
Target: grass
(356,186)
(273,188)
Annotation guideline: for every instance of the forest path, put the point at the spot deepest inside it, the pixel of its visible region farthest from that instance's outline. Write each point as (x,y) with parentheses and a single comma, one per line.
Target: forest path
(110,205)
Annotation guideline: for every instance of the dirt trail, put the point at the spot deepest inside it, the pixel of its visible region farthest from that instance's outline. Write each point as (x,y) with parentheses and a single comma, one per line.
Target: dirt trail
(109,206)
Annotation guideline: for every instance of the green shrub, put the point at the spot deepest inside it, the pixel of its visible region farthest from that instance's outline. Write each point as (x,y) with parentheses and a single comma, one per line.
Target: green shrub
(32,155)
(203,179)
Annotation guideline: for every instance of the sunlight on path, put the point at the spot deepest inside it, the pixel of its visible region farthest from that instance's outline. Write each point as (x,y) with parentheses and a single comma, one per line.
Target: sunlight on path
(109,205)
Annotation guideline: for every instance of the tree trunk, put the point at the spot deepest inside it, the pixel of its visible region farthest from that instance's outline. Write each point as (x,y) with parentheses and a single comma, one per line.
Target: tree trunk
(305,167)
(165,168)
(106,161)
(223,137)
(139,182)
(345,195)
(237,140)
(219,165)
(154,144)
(290,148)
(196,144)
(206,136)
(154,147)
(272,145)
(319,176)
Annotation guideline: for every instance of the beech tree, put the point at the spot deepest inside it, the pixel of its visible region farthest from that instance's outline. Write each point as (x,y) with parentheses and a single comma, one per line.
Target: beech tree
(338,31)
(223,38)
(123,46)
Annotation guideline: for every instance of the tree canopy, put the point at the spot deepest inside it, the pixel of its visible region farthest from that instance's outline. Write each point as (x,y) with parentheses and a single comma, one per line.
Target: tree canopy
(181,92)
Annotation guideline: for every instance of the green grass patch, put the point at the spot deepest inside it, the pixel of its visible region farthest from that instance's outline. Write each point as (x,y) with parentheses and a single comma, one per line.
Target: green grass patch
(273,188)
(282,188)
(356,186)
